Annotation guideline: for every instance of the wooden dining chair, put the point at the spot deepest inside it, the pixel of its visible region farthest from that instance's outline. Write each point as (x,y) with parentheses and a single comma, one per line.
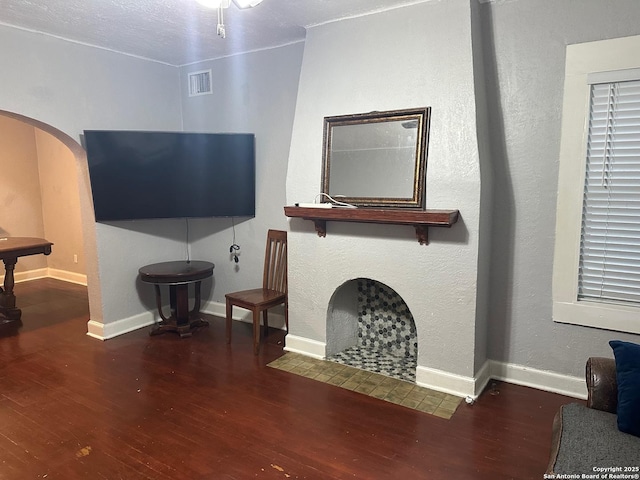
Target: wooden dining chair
(272,293)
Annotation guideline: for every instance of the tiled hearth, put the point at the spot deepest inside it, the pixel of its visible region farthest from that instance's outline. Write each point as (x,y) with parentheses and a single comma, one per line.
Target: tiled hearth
(372,384)
(386,335)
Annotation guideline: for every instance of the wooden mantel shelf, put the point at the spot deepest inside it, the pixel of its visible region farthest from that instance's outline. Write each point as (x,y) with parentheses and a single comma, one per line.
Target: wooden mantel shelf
(421,220)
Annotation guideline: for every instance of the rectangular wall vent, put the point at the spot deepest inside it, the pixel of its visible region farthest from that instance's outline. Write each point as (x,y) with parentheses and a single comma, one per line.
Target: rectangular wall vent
(200,83)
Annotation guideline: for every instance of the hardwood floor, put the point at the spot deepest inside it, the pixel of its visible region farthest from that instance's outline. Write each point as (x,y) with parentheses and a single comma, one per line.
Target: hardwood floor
(140,407)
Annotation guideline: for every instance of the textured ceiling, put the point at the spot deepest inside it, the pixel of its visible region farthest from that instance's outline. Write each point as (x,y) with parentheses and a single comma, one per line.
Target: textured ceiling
(180,32)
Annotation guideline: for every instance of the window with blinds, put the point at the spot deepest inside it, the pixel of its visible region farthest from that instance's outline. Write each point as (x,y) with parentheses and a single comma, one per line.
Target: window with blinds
(609,265)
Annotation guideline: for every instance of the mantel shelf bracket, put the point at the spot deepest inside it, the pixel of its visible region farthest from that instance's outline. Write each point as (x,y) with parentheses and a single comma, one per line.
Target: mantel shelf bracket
(422,234)
(321,227)
(421,220)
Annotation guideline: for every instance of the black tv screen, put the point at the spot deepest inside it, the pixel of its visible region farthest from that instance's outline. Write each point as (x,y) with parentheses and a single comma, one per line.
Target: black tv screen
(144,175)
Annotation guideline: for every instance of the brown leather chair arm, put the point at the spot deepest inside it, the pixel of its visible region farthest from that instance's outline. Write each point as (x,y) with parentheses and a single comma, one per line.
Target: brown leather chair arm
(602,386)
(556,436)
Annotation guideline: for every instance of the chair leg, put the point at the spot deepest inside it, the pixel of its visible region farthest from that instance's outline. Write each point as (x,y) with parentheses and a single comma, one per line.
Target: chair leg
(256,331)
(265,322)
(286,314)
(228,319)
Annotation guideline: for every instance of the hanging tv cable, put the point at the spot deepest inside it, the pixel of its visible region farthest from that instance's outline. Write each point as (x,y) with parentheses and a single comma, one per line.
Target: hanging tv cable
(234,249)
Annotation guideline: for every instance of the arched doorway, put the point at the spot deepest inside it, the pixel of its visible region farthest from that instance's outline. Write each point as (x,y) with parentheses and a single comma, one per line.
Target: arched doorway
(57,144)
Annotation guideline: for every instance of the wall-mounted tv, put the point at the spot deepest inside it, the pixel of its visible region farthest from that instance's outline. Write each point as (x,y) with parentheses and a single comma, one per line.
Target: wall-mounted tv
(144,175)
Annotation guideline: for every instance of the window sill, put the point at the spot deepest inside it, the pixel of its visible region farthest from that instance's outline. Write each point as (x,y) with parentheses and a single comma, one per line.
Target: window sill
(619,318)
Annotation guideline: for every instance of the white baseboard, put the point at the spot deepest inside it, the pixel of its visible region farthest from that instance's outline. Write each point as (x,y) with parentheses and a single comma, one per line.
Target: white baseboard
(464,386)
(541,379)
(105,331)
(219,309)
(26,276)
(517,374)
(482,379)
(64,275)
(305,346)
(71,277)
(446,382)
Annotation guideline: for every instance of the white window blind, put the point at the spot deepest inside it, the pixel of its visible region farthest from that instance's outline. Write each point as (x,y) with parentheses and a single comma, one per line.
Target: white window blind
(610,237)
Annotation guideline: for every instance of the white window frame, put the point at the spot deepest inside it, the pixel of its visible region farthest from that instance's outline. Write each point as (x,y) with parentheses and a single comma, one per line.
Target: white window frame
(582,62)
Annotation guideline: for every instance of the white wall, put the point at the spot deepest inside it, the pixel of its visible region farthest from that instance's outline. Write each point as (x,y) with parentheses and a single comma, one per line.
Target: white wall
(74,87)
(485,238)
(525,45)
(39,192)
(253,93)
(61,207)
(407,57)
(20,199)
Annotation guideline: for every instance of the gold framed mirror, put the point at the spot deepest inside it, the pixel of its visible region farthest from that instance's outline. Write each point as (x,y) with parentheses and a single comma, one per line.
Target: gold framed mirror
(377,159)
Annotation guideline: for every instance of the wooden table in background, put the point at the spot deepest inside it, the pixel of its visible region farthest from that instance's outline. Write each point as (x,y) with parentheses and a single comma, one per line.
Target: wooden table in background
(10,249)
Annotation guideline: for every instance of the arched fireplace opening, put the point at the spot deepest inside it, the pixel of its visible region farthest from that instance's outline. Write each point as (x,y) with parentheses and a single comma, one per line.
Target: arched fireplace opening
(370,327)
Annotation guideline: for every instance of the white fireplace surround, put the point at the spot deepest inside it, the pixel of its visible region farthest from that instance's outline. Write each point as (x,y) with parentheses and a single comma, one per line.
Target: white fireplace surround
(444,284)
(439,281)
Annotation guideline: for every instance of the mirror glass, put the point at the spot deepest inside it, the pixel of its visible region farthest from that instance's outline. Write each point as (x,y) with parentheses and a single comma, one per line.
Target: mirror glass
(376,159)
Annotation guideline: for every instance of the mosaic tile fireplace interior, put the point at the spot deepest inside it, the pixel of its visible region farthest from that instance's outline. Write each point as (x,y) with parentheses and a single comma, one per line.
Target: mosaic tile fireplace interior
(386,334)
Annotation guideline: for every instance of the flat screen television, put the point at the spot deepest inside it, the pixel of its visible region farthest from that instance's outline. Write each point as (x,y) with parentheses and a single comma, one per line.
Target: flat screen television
(145,175)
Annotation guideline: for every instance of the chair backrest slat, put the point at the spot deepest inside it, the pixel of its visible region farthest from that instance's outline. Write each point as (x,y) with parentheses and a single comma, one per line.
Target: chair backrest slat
(275,261)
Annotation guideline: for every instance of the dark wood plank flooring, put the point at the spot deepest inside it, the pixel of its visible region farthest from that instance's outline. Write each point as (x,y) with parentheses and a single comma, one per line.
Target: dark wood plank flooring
(140,407)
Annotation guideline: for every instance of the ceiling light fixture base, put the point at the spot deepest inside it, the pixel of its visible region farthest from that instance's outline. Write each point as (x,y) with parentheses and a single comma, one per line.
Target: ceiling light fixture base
(220,5)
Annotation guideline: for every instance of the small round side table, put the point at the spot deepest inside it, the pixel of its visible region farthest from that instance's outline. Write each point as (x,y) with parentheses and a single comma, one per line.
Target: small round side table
(178,276)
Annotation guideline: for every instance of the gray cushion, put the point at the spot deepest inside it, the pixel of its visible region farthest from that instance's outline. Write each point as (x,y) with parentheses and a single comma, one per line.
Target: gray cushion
(590,438)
